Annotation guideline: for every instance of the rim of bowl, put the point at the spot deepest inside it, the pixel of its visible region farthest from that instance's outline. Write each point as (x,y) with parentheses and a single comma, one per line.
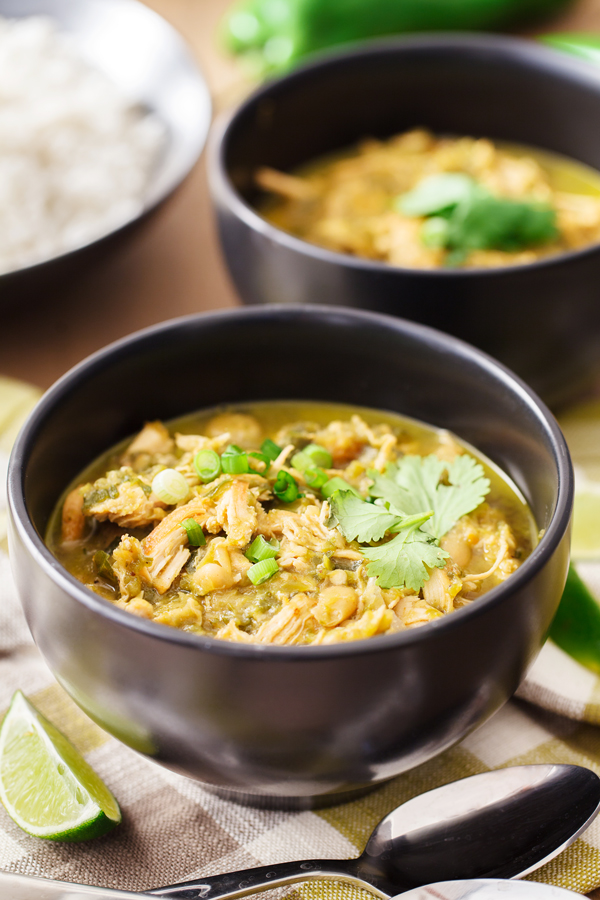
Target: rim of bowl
(168,188)
(430,337)
(521,49)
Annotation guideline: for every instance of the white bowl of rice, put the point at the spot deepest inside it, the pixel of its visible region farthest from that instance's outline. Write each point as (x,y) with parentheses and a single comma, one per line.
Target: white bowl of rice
(103,112)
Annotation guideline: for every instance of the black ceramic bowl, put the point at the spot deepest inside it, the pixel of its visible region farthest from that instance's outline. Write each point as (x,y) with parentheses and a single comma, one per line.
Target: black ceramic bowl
(543,320)
(151,65)
(288,724)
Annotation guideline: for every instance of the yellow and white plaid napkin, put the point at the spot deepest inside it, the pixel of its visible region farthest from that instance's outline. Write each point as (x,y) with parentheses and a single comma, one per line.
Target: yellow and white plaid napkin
(173,829)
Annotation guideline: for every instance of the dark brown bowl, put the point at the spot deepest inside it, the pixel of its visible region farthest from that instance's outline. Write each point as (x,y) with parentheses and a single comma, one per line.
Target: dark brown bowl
(288,725)
(543,319)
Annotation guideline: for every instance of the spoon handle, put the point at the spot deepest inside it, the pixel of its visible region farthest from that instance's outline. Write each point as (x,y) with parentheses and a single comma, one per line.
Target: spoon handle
(262,878)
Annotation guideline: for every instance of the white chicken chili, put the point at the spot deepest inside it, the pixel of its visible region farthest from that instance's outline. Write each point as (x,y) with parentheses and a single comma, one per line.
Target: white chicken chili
(292,523)
(422,201)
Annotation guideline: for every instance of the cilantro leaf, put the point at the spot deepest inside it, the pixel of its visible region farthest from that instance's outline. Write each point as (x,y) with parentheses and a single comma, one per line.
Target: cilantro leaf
(401,562)
(467,489)
(360,520)
(403,559)
(436,194)
(418,508)
(413,485)
(465,215)
(386,488)
(410,484)
(485,222)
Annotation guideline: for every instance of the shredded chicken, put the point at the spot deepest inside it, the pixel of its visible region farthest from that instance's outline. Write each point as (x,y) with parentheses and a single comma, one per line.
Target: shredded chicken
(283,457)
(73,518)
(436,590)
(235,561)
(153,438)
(286,185)
(132,508)
(288,625)
(166,545)
(236,513)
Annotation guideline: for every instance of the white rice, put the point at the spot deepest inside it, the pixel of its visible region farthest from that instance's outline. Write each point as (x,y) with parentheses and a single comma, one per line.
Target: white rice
(75,154)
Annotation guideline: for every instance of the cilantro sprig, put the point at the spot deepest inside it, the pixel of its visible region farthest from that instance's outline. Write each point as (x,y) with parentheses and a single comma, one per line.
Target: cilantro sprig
(417,501)
(462,215)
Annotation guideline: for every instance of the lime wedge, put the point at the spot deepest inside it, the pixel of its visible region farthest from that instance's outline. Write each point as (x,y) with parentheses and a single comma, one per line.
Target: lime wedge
(46,785)
(581,427)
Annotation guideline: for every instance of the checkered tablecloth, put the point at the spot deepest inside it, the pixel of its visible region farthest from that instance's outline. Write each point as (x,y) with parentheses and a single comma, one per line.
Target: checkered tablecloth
(173,830)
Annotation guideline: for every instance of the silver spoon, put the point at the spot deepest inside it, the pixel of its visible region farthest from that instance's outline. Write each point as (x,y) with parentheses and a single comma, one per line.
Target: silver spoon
(501,824)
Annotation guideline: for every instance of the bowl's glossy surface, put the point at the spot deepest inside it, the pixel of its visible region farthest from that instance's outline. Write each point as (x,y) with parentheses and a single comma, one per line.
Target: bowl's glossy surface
(152,66)
(288,724)
(543,319)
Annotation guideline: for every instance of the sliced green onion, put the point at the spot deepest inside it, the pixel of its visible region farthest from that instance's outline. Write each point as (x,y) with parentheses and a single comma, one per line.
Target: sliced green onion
(234,461)
(286,487)
(263,458)
(170,486)
(337,484)
(207,465)
(270,449)
(319,456)
(315,477)
(301,461)
(194,532)
(262,571)
(260,549)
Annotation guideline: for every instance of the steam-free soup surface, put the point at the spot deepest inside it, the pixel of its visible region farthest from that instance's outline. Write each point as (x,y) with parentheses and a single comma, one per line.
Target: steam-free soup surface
(422,201)
(292,523)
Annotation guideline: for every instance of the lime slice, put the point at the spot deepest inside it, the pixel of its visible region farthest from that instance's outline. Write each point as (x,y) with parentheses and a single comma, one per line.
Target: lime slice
(46,785)
(581,428)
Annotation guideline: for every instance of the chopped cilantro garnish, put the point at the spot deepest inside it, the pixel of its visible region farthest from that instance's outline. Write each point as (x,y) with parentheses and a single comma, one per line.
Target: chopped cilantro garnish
(408,553)
(416,505)
(465,216)
(359,520)
(414,484)
(495,223)
(436,194)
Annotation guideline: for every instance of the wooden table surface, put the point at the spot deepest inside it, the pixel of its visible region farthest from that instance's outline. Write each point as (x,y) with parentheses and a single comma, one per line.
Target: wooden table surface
(173,266)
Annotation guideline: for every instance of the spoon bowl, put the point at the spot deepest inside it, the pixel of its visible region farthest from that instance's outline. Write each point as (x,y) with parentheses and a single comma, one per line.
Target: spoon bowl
(500,824)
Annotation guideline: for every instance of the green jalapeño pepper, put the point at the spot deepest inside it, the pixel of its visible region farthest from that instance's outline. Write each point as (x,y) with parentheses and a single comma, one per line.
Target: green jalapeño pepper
(276,34)
(576,626)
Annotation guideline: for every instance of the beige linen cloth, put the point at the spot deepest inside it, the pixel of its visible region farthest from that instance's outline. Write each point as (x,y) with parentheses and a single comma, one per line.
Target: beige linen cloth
(173,830)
